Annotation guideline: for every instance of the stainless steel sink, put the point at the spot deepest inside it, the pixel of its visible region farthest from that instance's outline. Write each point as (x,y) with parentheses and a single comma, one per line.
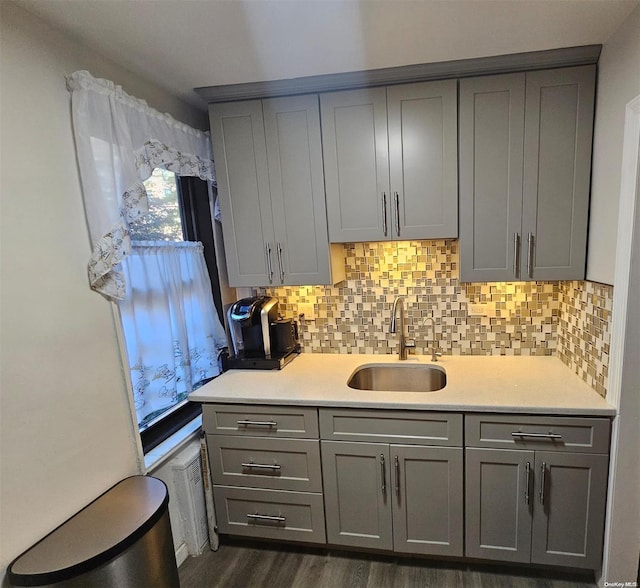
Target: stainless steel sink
(398,378)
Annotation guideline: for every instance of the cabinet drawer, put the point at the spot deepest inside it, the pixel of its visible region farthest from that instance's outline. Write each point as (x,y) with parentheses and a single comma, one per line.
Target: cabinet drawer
(260,421)
(406,427)
(272,514)
(529,432)
(281,464)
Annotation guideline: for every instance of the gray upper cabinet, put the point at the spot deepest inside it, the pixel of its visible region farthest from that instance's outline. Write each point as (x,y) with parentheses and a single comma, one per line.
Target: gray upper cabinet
(390,157)
(491,136)
(239,148)
(268,158)
(356,165)
(557,172)
(525,165)
(423,159)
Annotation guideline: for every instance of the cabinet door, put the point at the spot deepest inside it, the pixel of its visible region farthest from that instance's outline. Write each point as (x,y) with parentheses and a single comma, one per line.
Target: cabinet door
(423,159)
(569,511)
(498,504)
(294,151)
(356,166)
(239,151)
(357,494)
(557,172)
(491,156)
(427,499)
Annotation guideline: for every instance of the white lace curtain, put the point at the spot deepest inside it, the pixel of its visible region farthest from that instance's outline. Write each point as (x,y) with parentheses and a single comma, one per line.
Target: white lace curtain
(119,141)
(171,328)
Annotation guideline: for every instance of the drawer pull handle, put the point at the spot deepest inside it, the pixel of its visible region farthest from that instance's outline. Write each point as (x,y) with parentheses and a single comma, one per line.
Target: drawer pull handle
(267,248)
(527,482)
(384,214)
(537,435)
(396,462)
(260,517)
(531,241)
(543,474)
(383,475)
(249,423)
(280,264)
(261,466)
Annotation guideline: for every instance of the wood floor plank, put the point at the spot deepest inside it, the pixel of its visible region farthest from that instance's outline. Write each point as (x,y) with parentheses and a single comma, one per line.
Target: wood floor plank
(244,564)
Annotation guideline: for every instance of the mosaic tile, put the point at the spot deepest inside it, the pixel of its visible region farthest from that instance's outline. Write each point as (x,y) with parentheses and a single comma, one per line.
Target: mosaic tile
(584,331)
(570,319)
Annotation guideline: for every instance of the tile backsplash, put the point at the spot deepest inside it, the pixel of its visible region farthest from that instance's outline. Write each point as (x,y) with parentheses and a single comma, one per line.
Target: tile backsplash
(584,333)
(520,318)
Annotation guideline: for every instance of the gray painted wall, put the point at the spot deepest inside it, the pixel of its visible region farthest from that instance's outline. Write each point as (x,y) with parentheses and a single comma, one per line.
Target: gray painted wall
(618,83)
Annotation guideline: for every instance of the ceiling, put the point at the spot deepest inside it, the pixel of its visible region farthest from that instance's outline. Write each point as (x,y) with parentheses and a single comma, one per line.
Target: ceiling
(184,44)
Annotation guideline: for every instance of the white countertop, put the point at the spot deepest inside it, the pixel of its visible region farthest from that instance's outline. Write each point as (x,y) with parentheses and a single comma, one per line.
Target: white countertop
(534,385)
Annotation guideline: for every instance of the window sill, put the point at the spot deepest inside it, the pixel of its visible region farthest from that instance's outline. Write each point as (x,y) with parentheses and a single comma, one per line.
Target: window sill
(171,446)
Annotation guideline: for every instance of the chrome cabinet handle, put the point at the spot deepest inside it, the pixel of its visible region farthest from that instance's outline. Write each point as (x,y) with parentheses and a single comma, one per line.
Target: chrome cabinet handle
(531,240)
(543,472)
(269,268)
(537,435)
(383,473)
(397,199)
(280,264)
(385,227)
(527,482)
(261,517)
(516,254)
(261,466)
(396,465)
(250,423)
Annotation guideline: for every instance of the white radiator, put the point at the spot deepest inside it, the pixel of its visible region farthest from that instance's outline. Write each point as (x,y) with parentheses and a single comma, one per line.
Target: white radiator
(187,478)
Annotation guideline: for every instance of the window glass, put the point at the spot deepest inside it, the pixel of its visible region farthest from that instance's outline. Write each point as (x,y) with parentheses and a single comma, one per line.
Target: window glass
(163,223)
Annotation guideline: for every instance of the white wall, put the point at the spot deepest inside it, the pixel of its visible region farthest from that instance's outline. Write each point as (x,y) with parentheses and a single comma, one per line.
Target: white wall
(66,433)
(618,83)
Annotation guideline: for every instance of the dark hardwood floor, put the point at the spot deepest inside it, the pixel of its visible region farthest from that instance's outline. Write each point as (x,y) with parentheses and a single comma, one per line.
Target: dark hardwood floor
(239,564)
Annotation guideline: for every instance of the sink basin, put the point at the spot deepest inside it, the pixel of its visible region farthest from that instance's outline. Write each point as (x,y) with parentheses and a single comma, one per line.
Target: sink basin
(398,378)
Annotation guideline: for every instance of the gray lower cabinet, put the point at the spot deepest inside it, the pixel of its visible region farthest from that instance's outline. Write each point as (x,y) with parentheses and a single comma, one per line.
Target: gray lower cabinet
(265,466)
(390,157)
(271,514)
(569,511)
(357,491)
(498,504)
(524,488)
(427,499)
(393,479)
(268,156)
(525,168)
(544,505)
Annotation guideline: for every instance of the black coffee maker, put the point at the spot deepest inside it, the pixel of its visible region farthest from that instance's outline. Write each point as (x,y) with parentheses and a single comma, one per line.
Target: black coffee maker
(260,338)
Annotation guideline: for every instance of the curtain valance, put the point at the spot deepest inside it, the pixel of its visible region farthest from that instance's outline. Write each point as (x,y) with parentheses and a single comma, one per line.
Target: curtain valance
(119,141)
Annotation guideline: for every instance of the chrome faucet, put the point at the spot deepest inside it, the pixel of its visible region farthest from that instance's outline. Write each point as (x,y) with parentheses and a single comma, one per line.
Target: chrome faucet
(398,305)
(435,354)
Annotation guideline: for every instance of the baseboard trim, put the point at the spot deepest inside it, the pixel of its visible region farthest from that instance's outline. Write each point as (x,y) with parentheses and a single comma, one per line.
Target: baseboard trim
(182,553)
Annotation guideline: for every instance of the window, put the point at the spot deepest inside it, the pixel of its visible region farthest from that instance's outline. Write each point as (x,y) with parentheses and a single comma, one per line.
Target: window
(163,223)
(179,212)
